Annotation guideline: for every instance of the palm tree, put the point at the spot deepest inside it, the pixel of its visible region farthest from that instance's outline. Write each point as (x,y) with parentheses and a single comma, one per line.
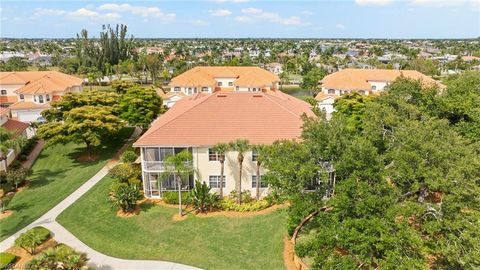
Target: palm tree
(241,146)
(180,166)
(258,149)
(221,149)
(9,140)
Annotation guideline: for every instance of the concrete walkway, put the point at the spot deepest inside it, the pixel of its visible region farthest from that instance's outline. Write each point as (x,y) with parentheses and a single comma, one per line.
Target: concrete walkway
(97,259)
(34,154)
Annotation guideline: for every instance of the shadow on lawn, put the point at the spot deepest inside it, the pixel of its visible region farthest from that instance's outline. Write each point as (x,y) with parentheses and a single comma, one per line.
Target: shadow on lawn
(144,207)
(44,177)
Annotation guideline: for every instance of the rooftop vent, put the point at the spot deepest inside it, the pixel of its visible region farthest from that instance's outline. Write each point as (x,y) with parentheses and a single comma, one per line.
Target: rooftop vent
(257,95)
(221,95)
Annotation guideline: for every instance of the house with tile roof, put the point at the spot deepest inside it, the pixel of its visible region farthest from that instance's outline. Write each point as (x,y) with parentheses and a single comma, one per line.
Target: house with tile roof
(196,123)
(17,128)
(208,79)
(28,93)
(363,81)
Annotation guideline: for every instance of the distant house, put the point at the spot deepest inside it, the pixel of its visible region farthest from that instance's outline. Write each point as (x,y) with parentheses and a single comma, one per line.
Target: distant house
(28,93)
(275,68)
(224,78)
(17,128)
(363,81)
(170,98)
(196,123)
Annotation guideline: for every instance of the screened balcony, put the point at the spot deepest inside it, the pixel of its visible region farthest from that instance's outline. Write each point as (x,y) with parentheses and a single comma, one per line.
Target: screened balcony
(157,183)
(154,157)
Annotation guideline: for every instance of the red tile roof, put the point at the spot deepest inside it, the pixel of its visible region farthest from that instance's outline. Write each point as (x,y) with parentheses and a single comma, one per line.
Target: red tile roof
(24,105)
(15,126)
(204,120)
(8,99)
(4,111)
(39,81)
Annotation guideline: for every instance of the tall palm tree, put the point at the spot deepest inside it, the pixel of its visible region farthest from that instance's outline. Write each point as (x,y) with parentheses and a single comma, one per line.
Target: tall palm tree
(258,149)
(221,149)
(241,146)
(179,165)
(9,140)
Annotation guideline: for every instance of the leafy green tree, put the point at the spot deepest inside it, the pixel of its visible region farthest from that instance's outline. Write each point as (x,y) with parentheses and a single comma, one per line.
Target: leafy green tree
(59,257)
(240,146)
(17,176)
(140,106)
(180,165)
(352,107)
(121,86)
(9,140)
(202,199)
(87,124)
(221,149)
(14,64)
(311,80)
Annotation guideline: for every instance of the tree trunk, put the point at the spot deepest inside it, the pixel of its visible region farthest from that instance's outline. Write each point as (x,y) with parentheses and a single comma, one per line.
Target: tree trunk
(5,164)
(89,150)
(222,180)
(258,179)
(179,183)
(239,186)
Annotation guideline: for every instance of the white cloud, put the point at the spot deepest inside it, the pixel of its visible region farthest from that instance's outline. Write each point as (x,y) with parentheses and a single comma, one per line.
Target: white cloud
(307,13)
(438,3)
(220,12)
(84,13)
(233,1)
(200,22)
(261,15)
(144,11)
(340,26)
(48,12)
(373,2)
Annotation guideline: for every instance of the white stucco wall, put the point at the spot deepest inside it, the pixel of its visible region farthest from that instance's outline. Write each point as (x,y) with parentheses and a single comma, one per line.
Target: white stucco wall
(27,115)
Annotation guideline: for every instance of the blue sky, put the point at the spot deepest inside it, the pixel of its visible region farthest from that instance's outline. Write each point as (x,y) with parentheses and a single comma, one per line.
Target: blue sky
(246,18)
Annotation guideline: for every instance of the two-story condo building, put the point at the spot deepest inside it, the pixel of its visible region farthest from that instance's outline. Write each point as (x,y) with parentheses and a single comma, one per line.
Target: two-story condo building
(196,123)
(17,128)
(363,81)
(209,79)
(28,93)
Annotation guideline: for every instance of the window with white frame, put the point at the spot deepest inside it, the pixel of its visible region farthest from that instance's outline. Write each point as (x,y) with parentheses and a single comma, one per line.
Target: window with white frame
(230,83)
(237,88)
(204,89)
(4,92)
(212,155)
(34,98)
(254,182)
(331,91)
(189,91)
(374,87)
(214,181)
(22,96)
(219,84)
(362,92)
(254,155)
(176,89)
(48,97)
(40,99)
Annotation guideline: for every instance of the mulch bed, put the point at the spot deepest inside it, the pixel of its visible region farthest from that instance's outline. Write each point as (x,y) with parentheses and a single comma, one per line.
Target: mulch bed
(23,257)
(6,214)
(86,157)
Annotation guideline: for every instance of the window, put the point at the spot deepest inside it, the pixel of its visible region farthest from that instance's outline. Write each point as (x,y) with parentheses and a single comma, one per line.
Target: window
(204,89)
(362,92)
(4,92)
(254,155)
(237,88)
(22,96)
(34,98)
(212,155)
(189,91)
(176,89)
(40,99)
(254,182)
(48,97)
(254,89)
(331,91)
(214,181)
(219,83)
(230,83)
(195,90)
(374,87)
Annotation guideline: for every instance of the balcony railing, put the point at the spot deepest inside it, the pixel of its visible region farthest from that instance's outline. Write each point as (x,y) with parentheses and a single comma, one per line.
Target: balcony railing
(158,165)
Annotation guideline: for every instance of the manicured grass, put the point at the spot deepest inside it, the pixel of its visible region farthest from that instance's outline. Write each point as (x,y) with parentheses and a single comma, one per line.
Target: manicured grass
(210,243)
(56,174)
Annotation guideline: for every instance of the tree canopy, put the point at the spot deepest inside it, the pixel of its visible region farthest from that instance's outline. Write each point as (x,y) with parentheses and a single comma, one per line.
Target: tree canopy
(140,106)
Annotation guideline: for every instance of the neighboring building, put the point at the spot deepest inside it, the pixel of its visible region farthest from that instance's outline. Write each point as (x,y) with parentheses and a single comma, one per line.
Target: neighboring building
(275,68)
(224,78)
(198,122)
(170,98)
(363,81)
(16,127)
(28,93)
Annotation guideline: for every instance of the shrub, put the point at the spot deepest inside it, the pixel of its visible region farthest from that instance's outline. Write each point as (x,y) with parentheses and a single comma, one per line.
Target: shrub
(7,260)
(32,238)
(245,195)
(129,156)
(125,172)
(229,204)
(59,257)
(126,196)
(171,197)
(17,176)
(201,198)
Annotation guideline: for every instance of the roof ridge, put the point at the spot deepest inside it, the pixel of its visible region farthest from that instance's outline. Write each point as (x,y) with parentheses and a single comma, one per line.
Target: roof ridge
(280,105)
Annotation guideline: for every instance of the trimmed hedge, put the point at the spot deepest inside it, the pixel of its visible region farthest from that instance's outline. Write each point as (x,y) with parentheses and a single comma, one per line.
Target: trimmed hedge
(32,238)
(42,232)
(7,260)
(171,197)
(229,204)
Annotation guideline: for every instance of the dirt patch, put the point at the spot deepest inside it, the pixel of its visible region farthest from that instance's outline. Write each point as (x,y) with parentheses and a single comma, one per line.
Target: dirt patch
(6,214)
(24,186)
(288,254)
(23,257)
(122,214)
(178,217)
(86,157)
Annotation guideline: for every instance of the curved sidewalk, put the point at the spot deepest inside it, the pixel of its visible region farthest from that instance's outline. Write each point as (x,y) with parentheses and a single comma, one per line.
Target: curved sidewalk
(97,259)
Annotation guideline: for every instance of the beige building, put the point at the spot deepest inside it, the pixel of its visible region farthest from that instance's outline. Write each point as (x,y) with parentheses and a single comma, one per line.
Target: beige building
(196,123)
(28,93)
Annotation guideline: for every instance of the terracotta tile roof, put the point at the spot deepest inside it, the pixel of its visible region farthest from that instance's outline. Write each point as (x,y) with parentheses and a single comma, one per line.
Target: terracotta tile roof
(39,81)
(322,96)
(8,99)
(356,79)
(170,94)
(4,111)
(24,105)
(15,126)
(55,98)
(204,120)
(205,76)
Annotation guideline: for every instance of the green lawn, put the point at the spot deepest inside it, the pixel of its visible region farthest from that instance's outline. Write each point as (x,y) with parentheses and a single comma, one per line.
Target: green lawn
(56,174)
(210,243)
